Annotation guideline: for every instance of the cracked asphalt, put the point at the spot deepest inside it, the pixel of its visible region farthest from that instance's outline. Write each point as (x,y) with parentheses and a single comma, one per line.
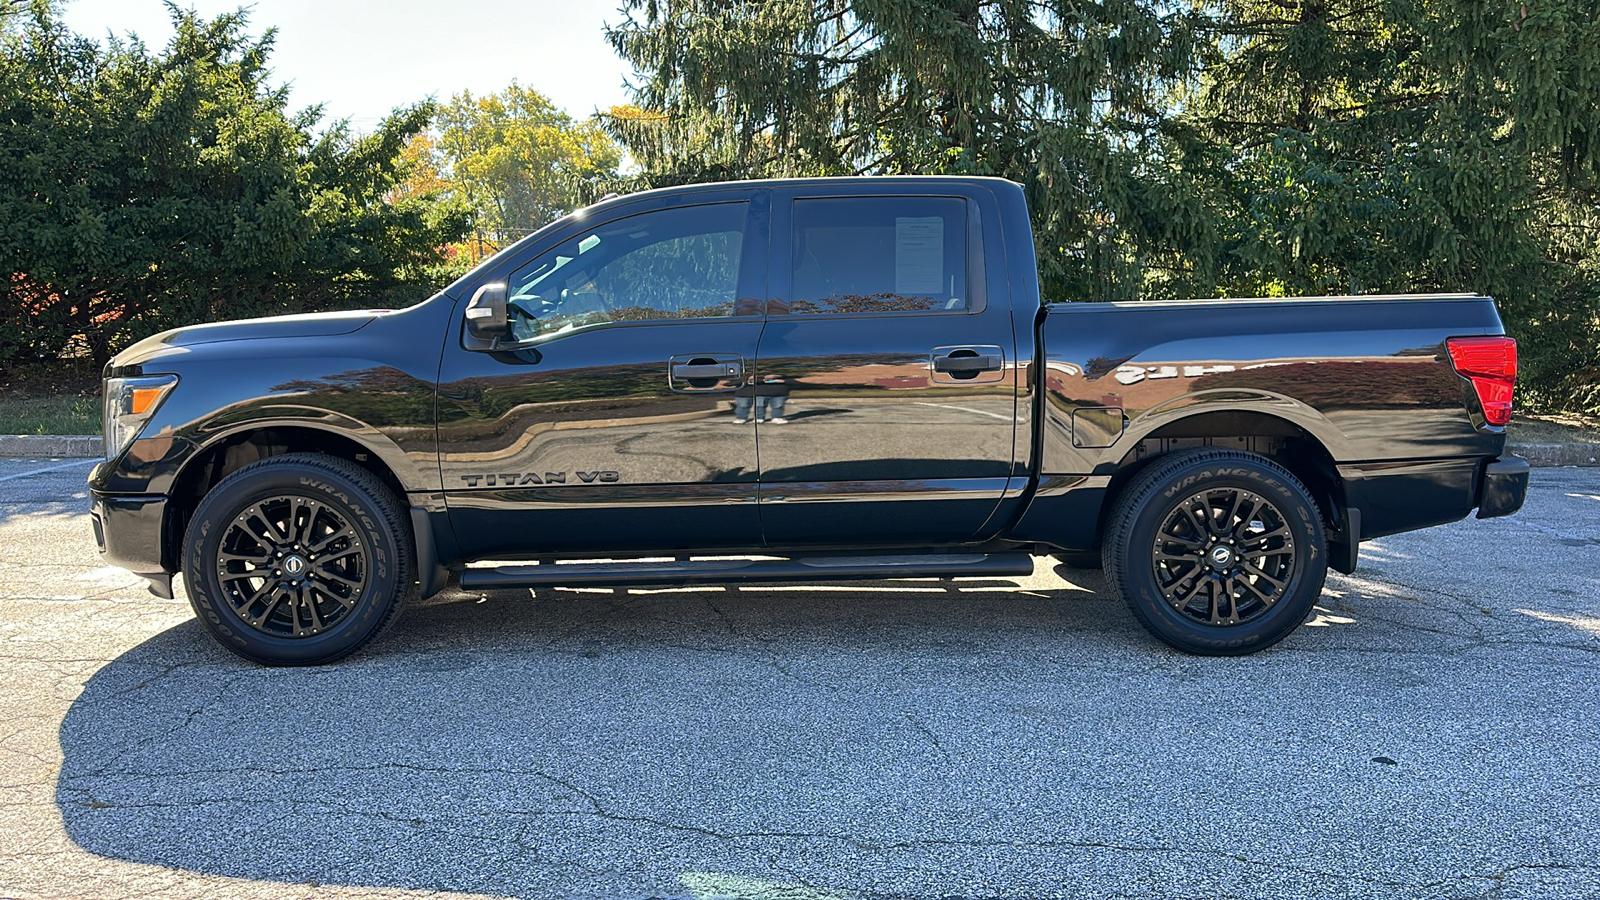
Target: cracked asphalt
(1431,733)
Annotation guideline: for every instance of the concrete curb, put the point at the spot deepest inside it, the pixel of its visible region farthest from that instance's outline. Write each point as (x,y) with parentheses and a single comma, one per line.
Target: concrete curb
(1571,453)
(76,446)
(51,445)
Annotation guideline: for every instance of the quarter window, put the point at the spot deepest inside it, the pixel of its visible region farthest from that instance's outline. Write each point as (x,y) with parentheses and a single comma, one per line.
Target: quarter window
(670,264)
(878,254)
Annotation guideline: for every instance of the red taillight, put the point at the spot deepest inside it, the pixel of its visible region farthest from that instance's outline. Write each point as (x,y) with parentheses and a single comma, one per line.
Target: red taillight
(1491,365)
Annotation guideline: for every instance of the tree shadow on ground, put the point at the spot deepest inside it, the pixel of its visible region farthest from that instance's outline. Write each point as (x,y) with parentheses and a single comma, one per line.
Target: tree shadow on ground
(966,739)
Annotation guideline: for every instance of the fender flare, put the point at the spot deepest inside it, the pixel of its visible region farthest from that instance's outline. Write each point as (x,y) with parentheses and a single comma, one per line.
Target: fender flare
(216,431)
(1236,400)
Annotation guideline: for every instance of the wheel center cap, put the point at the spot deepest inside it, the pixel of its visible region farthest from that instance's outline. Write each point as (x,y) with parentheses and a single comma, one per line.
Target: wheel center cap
(294,565)
(1221,557)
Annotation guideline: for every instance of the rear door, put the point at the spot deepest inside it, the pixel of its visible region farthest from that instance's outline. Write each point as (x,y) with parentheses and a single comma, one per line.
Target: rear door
(897,363)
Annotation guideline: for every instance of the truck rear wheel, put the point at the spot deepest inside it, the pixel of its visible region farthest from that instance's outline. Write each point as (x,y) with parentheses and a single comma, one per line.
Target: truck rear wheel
(298,560)
(1217,552)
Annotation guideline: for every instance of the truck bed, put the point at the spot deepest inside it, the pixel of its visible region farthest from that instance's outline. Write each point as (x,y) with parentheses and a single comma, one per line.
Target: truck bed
(1368,377)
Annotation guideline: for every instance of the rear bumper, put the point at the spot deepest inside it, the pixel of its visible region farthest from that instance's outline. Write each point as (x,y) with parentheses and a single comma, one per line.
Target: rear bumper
(1503,487)
(129,530)
(1393,497)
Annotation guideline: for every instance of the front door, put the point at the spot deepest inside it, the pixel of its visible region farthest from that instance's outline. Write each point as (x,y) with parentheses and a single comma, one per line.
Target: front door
(895,367)
(608,423)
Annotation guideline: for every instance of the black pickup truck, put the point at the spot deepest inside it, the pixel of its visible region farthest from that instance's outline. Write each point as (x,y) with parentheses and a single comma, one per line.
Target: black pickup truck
(817,380)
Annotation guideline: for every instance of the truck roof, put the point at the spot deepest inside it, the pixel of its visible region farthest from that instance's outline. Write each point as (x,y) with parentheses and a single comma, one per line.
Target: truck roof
(839,182)
(1256,301)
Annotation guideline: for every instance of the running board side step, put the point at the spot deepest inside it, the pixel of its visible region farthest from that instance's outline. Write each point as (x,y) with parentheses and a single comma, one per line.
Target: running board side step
(731,571)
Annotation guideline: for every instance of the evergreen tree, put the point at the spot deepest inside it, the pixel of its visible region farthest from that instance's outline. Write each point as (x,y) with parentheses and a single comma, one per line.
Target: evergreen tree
(1065,97)
(1353,146)
(141,191)
(1180,149)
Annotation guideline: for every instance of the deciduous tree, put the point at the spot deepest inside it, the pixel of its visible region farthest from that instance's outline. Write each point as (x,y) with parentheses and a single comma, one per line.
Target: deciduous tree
(518,162)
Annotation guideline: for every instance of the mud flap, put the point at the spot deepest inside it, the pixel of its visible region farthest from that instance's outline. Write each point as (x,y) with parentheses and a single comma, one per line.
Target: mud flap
(1344,552)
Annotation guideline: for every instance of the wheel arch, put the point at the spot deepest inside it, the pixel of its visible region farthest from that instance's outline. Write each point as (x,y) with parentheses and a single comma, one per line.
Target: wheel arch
(1265,409)
(232,450)
(1281,439)
(1072,511)
(1054,517)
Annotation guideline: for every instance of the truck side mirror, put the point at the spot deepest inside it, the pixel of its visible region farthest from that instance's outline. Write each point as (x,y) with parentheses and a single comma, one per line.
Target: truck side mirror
(486,316)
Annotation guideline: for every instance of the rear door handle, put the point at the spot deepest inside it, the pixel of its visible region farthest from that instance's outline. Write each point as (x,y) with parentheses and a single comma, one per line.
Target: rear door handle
(696,371)
(979,363)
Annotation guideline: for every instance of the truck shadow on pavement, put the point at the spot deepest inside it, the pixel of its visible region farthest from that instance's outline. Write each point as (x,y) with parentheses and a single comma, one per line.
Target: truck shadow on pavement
(582,743)
(981,738)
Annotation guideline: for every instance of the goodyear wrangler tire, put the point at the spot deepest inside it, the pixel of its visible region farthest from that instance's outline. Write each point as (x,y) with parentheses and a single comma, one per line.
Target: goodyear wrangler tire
(1217,552)
(298,560)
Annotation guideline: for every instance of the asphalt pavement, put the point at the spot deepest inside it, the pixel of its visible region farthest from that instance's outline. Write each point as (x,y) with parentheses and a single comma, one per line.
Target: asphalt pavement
(1432,732)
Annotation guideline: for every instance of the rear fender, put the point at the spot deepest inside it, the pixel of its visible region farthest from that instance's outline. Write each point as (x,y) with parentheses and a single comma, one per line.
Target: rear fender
(1264,403)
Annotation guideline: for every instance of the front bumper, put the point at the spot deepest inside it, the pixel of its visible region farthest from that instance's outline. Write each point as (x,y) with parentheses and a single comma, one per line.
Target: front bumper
(130,530)
(1503,487)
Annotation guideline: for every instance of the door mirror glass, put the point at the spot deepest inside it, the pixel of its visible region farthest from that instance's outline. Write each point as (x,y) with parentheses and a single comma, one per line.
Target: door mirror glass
(486,317)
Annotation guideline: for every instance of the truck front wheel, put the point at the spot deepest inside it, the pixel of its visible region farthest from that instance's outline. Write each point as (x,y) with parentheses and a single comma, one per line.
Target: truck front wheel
(298,560)
(1217,552)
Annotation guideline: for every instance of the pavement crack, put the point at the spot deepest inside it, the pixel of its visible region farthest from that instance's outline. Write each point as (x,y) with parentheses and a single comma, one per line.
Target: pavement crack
(1500,876)
(933,738)
(727,622)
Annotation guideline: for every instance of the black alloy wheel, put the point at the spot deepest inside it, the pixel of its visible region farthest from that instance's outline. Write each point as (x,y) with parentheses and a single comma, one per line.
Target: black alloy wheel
(1217,552)
(1224,556)
(291,566)
(298,559)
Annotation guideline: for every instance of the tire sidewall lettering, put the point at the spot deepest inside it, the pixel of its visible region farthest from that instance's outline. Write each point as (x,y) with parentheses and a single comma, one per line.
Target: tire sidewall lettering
(205,590)
(1144,518)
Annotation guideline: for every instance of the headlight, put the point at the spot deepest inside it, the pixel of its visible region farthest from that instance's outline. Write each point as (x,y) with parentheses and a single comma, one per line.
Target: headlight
(129,404)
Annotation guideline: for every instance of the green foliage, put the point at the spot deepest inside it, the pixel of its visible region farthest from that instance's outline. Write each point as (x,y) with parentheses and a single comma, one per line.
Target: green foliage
(1409,145)
(517,161)
(1273,147)
(62,414)
(145,190)
(1061,96)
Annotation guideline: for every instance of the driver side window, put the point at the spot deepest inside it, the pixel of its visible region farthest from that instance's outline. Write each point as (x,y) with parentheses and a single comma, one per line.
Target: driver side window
(678,263)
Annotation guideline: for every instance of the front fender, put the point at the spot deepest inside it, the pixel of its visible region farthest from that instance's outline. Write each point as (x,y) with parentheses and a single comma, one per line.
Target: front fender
(155,462)
(412,473)
(386,410)
(375,386)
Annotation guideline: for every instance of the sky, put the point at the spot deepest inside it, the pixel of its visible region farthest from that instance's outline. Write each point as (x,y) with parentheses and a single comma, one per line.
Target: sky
(363,58)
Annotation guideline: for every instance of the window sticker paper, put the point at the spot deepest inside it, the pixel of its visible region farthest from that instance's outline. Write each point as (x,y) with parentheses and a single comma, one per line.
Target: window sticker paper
(918,254)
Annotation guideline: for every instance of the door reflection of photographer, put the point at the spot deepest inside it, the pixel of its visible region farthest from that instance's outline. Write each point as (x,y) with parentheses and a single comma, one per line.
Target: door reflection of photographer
(768,395)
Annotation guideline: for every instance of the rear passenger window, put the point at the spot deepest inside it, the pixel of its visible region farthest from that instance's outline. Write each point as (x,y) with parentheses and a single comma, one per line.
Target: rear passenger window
(879,254)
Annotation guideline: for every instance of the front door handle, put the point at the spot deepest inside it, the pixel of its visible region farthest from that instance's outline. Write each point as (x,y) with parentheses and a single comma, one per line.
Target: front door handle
(697,371)
(960,364)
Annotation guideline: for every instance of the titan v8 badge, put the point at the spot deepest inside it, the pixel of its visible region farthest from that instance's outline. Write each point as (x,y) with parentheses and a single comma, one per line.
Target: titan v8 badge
(517,480)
